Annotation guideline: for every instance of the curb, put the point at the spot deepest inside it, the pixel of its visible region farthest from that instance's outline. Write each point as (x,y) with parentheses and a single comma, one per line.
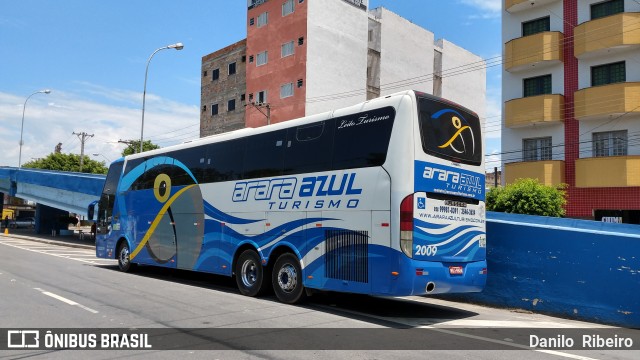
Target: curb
(51,242)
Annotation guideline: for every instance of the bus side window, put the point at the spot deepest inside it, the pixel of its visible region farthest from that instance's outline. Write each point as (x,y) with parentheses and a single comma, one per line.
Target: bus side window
(224,161)
(362,140)
(309,148)
(264,155)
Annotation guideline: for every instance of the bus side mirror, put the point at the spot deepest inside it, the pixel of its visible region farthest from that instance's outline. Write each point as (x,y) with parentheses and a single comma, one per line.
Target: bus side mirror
(91,211)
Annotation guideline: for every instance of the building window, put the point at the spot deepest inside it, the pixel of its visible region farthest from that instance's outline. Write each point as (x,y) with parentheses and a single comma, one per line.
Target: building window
(606,8)
(287,7)
(250,58)
(204,74)
(242,97)
(538,85)
(243,58)
(608,74)
(262,97)
(536,149)
(204,108)
(610,143)
(287,49)
(262,58)
(251,22)
(286,90)
(536,26)
(214,109)
(263,19)
(300,83)
(300,40)
(215,74)
(231,105)
(232,68)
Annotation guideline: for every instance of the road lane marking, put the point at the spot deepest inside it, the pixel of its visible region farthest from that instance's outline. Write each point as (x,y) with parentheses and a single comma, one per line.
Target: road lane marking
(65,300)
(53,249)
(451,331)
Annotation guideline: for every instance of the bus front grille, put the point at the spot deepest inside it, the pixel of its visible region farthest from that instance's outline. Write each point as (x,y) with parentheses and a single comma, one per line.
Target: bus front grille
(347,255)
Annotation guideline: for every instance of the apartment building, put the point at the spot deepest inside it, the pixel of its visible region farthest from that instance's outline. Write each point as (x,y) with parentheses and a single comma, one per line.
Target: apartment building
(304,57)
(222,90)
(571,92)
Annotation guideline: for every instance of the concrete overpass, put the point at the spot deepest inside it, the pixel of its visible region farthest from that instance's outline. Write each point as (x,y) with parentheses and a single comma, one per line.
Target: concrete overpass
(53,191)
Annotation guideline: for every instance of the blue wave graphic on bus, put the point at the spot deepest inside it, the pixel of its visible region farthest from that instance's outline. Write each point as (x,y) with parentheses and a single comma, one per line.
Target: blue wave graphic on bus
(442,241)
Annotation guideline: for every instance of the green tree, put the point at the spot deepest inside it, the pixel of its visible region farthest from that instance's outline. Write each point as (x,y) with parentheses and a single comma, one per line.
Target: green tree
(528,196)
(67,162)
(133,147)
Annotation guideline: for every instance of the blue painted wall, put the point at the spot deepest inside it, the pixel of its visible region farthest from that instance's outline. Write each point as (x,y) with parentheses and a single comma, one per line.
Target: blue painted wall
(578,269)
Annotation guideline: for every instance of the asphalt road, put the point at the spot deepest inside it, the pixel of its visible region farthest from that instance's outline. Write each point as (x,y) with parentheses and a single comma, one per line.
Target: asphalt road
(50,286)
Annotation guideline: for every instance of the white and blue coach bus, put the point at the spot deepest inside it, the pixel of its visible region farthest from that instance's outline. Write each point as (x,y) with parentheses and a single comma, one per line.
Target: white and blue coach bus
(384,198)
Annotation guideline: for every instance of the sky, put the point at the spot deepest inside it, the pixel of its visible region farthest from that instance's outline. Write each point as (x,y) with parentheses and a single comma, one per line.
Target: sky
(92,55)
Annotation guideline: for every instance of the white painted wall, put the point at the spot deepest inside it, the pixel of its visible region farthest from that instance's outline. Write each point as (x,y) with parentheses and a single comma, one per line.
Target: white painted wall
(336,55)
(512,141)
(628,122)
(584,8)
(464,78)
(512,23)
(512,83)
(406,56)
(632,69)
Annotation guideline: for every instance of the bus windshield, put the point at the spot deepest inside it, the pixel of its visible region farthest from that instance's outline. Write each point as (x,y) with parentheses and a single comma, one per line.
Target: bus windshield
(449,131)
(108,193)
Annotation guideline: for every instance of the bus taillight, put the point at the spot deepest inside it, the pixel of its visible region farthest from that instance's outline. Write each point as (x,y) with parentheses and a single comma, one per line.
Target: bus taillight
(406,226)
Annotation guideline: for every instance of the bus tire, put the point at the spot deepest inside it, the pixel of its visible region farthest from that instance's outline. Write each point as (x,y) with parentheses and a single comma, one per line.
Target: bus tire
(124,257)
(250,274)
(287,279)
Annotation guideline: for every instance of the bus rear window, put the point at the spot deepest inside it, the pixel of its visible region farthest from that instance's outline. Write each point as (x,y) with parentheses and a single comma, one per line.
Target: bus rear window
(449,132)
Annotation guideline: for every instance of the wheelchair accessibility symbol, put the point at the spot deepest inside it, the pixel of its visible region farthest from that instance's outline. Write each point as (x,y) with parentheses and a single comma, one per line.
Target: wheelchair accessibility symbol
(421,203)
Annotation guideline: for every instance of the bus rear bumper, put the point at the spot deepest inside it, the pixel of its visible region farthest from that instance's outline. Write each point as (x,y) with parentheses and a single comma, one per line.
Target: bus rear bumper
(430,278)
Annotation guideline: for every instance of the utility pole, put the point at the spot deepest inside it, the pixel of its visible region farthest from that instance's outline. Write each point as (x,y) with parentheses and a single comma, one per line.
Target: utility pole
(83,138)
(263,105)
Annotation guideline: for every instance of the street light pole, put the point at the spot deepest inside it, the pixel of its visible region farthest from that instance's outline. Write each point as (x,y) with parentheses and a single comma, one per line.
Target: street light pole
(24,107)
(177,46)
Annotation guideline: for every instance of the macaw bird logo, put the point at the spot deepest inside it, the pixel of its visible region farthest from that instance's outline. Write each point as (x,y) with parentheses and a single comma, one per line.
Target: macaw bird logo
(174,222)
(461,130)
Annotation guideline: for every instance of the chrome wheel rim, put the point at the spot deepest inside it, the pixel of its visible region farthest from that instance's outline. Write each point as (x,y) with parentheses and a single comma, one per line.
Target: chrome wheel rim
(124,256)
(287,278)
(249,273)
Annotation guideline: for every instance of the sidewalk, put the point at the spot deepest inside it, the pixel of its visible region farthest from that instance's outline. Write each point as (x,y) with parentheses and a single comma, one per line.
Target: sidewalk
(70,240)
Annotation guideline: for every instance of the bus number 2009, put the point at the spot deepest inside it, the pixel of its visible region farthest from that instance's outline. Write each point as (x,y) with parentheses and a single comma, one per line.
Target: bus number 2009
(428,250)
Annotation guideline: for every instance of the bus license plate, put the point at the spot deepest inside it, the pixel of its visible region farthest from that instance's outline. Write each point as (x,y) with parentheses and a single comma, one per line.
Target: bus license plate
(456,270)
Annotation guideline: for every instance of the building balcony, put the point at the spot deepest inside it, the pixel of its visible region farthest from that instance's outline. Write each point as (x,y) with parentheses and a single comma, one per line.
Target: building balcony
(610,171)
(607,35)
(541,49)
(605,101)
(513,6)
(548,172)
(534,110)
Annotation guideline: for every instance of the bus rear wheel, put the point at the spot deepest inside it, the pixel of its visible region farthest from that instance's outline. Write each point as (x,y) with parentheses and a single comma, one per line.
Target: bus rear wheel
(250,275)
(287,279)
(124,257)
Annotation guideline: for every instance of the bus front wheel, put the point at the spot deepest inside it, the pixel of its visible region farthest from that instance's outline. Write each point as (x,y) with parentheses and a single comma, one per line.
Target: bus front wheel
(124,257)
(250,275)
(287,279)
